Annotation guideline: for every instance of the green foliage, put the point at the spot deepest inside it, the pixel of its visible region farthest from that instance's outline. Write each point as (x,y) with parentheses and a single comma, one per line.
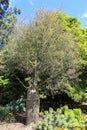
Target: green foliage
(10,87)
(17,105)
(49,52)
(3,82)
(62,118)
(7,20)
(33,47)
(72,25)
(4,7)
(76,93)
(6,115)
(28,79)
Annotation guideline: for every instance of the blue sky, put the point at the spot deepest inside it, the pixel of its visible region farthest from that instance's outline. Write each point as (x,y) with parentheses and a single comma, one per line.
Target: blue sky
(75,8)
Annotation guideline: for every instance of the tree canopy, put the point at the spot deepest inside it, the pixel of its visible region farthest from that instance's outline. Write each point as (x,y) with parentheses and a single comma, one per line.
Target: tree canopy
(43,49)
(45,53)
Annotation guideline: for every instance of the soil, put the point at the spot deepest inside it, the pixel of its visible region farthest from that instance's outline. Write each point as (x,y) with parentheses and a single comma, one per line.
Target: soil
(14,126)
(19,124)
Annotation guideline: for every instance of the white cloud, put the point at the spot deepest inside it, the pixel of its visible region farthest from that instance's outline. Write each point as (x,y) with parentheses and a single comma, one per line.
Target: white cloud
(31,2)
(84,15)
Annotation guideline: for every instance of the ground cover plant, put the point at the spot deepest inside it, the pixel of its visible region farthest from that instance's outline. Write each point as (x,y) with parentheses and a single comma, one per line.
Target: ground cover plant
(17,105)
(61,119)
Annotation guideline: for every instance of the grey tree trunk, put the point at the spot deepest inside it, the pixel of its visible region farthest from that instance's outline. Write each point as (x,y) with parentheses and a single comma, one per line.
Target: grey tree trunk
(32,106)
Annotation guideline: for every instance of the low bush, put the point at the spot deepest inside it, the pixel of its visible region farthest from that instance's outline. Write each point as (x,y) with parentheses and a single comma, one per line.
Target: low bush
(61,119)
(17,105)
(77,94)
(6,115)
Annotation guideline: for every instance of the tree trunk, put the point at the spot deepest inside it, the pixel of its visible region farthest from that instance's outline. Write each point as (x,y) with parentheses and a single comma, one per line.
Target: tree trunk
(32,106)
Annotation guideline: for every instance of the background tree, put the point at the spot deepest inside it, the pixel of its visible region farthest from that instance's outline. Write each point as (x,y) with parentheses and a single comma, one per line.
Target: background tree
(7,20)
(76,91)
(45,54)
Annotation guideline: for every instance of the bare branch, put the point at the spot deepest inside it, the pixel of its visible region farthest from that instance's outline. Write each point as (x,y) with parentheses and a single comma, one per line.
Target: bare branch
(21,82)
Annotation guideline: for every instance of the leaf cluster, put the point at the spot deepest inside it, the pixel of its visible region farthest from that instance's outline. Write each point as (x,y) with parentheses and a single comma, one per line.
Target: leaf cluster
(62,118)
(17,105)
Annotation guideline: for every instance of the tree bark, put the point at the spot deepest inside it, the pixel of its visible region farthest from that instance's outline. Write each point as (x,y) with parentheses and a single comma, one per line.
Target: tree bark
(32,106)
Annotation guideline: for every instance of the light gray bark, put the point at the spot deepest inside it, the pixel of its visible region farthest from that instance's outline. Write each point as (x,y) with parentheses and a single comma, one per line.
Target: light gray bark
(32,106)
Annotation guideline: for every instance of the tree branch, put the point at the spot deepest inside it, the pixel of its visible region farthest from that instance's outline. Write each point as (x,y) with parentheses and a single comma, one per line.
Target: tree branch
(21,82)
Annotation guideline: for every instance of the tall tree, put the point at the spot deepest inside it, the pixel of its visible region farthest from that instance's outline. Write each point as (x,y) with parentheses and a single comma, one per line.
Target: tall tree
(45,54)
(7,20)
(72,25)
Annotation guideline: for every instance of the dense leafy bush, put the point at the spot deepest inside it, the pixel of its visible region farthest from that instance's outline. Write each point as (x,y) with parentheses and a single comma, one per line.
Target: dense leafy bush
(17,105)
(77,94)
(63,118)
(6,115)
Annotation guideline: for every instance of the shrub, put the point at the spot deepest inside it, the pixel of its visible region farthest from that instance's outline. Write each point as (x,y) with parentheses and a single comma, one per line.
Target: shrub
(77,94)
(17,105)
(6,115)
(61,119)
